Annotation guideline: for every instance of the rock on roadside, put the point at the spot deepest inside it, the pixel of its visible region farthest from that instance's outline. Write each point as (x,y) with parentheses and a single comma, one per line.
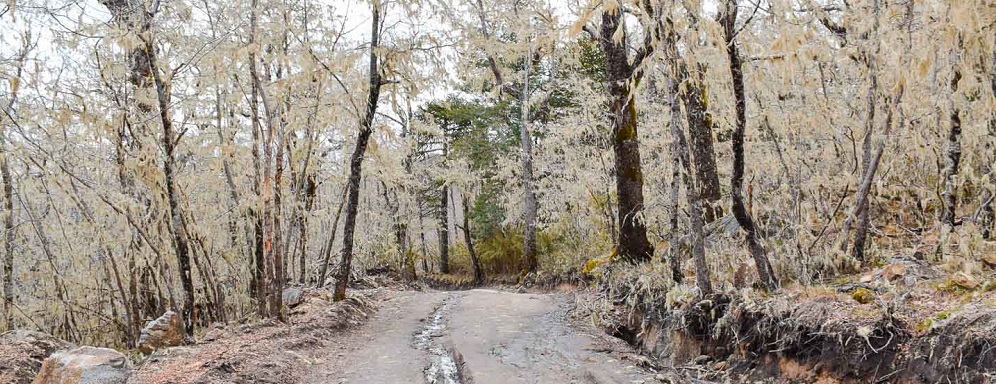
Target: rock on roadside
(166,331)
(22,353)
(292,296)
(85,365)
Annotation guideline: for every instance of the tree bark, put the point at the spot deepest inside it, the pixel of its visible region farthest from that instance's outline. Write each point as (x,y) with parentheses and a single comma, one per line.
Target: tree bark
(475,263)
(702,279)
(703,154)
(176,222)
(985,214)
(622,76)
(727,18)
(675,252)
(953,159)
(327,251)
(8,193)
(356,161)
(529,204)
(444,231)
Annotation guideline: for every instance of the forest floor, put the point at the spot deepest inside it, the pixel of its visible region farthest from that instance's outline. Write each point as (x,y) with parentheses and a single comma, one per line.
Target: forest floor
(392,335)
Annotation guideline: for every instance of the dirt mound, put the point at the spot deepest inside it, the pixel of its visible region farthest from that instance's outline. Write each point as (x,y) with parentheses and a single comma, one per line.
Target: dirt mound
(261,353)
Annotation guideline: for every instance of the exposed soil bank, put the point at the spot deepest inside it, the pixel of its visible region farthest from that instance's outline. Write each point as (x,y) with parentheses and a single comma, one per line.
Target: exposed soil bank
(824,338)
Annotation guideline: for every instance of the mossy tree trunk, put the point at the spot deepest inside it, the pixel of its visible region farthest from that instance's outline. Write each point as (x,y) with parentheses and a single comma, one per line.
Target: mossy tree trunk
(622,77)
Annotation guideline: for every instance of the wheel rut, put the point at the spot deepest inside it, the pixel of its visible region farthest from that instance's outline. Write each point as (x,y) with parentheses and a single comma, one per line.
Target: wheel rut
(445,364)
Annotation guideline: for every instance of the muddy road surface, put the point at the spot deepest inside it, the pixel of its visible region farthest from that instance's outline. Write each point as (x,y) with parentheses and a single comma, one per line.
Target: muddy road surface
(478,336)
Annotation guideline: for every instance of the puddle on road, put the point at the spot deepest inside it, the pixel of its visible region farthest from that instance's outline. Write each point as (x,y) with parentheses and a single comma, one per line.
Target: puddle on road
(443,368)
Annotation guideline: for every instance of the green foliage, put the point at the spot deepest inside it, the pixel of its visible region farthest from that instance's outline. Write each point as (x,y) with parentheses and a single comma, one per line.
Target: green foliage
(475,130)
(591,60)
(487,214)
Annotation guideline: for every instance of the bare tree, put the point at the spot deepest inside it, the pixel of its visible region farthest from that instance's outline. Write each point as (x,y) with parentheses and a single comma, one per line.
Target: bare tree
(8,184)
(356,161)
(727,17)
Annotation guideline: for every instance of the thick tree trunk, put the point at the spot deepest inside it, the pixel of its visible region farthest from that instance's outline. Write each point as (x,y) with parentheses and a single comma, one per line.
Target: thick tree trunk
(356,161)
(633,244)
(728,18)
(700,130)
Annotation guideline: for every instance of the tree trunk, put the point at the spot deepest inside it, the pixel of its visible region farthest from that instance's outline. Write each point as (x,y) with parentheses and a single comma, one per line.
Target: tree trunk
(177,226)
(530,261)
(8,193)
(310,189)
(444,231)
(694,203)
(728,18)
(986,214)
(356,161)
(633,244)
(475,263)
(8,227)
(276,299)
(950,192)
(529,205)
(327,251)
(675,252)
(700,130)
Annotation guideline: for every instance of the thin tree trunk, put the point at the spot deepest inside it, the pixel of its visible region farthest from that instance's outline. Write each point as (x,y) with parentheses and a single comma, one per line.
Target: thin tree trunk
(870,159)
(529,251)
(8,193)
(475,263)
(310,188)
(276,299)
(950,194)
(702,279)
(985,213)
(356,161)
(529,205)
(421,236)
(728,18)
(177,226)
(323,272)
(444,231)
(675,253)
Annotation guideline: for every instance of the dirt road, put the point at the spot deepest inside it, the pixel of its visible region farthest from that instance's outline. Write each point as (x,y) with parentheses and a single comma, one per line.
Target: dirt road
(477,336)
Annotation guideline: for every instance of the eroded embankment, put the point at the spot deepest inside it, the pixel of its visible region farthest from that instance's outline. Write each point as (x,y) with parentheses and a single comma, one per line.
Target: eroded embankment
(822,339)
